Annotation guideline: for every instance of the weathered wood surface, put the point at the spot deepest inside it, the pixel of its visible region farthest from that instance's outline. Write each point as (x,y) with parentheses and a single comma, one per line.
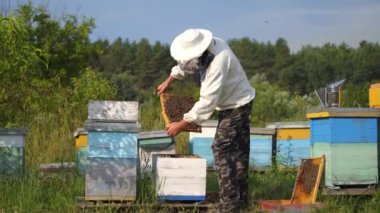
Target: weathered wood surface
(110,178)
(91,125)
(349,163)
(188,172)
(146,155)
(127,111)
(112,144)
(345,130)
(350,191)
(290,152)
(84,204)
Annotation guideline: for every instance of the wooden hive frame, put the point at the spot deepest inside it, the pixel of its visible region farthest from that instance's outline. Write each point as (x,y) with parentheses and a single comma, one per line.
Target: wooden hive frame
(305,189)
(168,119)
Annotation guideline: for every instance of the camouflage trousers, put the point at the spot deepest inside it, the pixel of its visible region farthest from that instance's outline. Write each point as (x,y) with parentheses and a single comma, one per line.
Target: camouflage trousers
(231,155)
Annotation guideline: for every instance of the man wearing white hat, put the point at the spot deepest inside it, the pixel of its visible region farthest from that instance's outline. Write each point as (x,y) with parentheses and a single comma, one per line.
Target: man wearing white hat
(225,88)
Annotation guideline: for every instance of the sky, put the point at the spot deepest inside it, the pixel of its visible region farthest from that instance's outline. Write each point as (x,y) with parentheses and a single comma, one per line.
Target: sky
(299,22)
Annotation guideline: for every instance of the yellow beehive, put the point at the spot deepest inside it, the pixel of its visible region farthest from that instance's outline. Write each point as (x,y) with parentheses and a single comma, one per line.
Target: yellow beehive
(374,96)
(81,138)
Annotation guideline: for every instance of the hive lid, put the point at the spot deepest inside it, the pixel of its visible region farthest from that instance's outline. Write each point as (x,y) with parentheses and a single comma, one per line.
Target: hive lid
(343,112)
(173,108)
(91,125)
(152,134)
(80,131)
(127,111)
(13,131)
(291,125)
(262,131)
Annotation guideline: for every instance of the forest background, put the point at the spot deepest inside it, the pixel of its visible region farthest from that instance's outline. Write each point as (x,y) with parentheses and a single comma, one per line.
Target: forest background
(50,69)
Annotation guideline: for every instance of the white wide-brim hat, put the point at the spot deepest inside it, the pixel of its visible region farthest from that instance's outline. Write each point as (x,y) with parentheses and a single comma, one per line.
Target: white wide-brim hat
(190,44)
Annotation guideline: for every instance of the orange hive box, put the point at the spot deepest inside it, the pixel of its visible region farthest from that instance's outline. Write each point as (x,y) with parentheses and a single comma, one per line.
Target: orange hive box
(173,107)
(305,189)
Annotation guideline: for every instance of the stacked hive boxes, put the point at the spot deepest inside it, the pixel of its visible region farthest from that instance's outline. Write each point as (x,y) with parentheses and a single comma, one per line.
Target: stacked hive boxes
(349,139)
(374,96)
(293,142)
(261,148)
(153,142)
(81,145)
(112,162)
(180,177)
(12,151)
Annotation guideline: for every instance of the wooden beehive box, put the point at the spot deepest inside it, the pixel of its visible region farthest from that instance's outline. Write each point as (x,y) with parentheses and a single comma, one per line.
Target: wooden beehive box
(12,151)
(349,138)
(261,148)
(114,111)
(112,161)
(153,142)
(200,142)
(174,107)
(292,142)
(374,96)
(180,177)
(111,179)
(81,146)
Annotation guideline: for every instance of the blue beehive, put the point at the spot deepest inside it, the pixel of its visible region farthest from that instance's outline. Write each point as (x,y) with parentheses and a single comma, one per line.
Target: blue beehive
(349,139)
(261,148)
(112,162)
(292,143)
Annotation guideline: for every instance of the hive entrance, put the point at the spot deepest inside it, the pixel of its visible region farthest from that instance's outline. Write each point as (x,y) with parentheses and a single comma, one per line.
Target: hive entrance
(174,107)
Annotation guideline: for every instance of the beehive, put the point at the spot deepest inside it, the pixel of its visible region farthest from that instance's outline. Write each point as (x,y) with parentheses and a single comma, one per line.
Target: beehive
(153,142)
(200,142)
(174,107)
(261,148)
(292,143)
(12,151)
(81,146)
(112,161)
(374,96)
(349,138)
(180,177)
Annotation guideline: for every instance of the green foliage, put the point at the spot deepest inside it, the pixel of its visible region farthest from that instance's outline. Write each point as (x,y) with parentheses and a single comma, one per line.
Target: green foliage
(272,104)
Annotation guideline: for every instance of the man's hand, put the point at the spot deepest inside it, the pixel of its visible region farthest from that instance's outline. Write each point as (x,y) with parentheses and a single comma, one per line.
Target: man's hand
(164,85)
(176,127)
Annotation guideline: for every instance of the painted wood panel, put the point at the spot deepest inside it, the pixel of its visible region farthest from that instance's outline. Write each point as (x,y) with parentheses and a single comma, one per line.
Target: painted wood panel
(113,110)
(12,151)
(349,163)
(146,155)
(12,160)
(201,146)
(345,130)
(290,152)
(154,138)
(81,160)
(111,178)
(112,144)
(299,133)
(374,96)
(180,176)
(81,138)
(260,155)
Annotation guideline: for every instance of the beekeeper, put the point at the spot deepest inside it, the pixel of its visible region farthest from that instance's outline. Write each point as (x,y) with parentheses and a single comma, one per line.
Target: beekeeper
(225,88)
